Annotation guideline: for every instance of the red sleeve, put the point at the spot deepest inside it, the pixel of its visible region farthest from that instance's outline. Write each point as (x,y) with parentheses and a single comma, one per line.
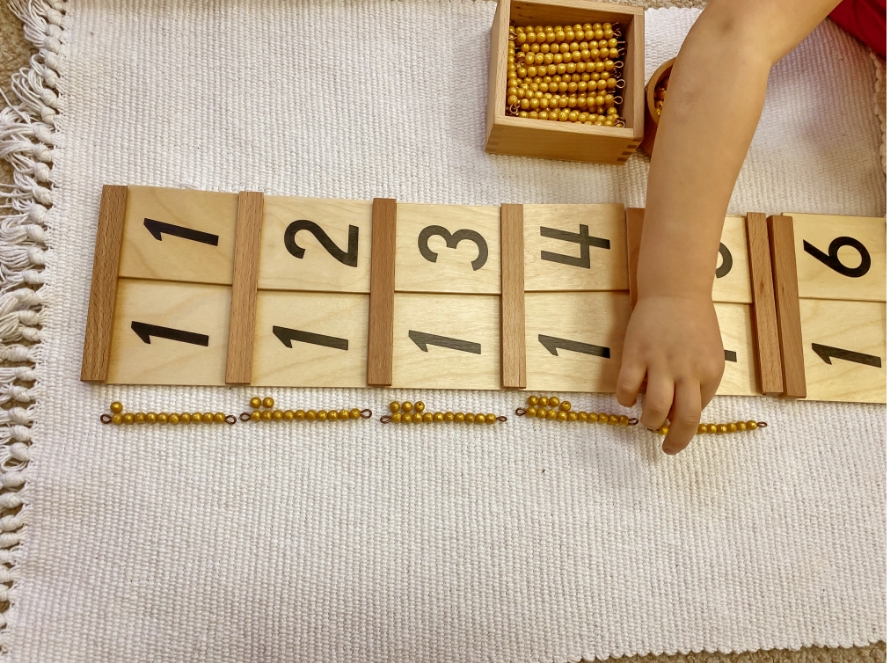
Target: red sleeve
(865,20)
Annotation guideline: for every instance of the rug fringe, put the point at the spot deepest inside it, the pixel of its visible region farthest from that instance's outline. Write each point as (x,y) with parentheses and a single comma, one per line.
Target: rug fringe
(27,139)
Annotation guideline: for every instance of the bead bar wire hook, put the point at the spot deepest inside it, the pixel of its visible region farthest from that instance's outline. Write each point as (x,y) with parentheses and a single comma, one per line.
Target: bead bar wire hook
(366,413)
(230,420)
(385,418)
(105,418)
(244,416)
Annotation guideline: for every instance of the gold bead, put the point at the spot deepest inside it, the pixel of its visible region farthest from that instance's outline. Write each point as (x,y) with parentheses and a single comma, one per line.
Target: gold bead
(255,402)
(128,418)
(583,416)
(277,415)
(701,429)
(732,428)
(406,406)
(623,420)
(418,418)
(533,401)
(219,417)
(554,401)
(407,418)
(592,417)
(395,418)
(752,425)
(300,415)
(572,416)
(255,415)
(531,412)
(268,402)
(566,406)
(117,419)
(139,417)
(354,413)
(459,418)
(185,417)
(712,428)
(151,418)
(311,415)
(438,417)
(321,415)
(394,406)
(561,416)
(663,430)
(289,415)
(551,414)
(332,415)
(491,418)
(603,418)
(162,417)
(427,417)
(116,407)
(742,426)
(420,406)
(266,415)
(722,428)
(197,417)
(469,418)
(480,418)
(449,417)
(173,418)
(543,401)
(208,417)
(344,414)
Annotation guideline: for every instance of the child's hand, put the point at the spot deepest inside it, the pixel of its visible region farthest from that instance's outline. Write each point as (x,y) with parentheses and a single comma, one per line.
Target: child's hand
(676,344)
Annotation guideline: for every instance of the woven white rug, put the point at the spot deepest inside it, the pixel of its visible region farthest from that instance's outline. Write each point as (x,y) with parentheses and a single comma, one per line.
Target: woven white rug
(520,542)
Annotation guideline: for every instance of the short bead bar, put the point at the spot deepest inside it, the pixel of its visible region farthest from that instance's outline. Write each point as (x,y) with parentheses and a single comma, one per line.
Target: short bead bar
(408,412)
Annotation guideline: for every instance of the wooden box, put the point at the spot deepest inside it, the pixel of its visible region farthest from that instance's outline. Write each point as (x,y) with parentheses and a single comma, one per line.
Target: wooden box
(566,141)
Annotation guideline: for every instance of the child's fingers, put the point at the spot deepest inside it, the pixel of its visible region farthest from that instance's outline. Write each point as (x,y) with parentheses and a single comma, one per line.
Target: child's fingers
(629,383)
(709,389)
(685,419)
(657,402)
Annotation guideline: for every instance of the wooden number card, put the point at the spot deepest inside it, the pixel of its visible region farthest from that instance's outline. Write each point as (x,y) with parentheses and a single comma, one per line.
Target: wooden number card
(178,235)
(206,288)
(840,257)
(315,244)
(447,248)
(574,248)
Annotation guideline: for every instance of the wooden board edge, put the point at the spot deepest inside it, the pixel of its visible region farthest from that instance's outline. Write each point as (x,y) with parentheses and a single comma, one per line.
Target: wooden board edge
(768,356)
(634,225)
(785,278)
(512,314)
(380,343)
(244,287)
(103,291)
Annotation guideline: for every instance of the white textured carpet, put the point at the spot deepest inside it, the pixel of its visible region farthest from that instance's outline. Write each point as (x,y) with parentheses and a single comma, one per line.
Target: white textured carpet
(520,542)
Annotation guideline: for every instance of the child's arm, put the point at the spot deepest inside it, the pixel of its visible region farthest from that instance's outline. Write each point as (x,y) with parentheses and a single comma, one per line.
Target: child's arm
(715,96)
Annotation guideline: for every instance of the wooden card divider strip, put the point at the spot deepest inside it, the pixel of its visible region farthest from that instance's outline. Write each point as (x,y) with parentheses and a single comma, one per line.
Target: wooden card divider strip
(244,287)
(103,294)
(634,224)
(768,356)
(514,340)
(785,276)
(380,344)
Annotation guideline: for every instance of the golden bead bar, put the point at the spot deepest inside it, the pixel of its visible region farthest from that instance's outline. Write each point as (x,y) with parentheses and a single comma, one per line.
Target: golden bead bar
(118,416)
(566,73)
(408,412)
(722,429)
(263,410)
(553,408)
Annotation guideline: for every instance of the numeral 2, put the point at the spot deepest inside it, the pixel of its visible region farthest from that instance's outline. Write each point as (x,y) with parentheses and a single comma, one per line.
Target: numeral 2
(347,258)
(452,241)
(831,258)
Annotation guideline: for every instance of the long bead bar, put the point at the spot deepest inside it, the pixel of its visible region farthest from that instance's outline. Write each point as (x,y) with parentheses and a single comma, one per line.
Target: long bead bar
(118,417)
(554,409)
(414,413)
(722,429)
(566,73)
(270,414)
